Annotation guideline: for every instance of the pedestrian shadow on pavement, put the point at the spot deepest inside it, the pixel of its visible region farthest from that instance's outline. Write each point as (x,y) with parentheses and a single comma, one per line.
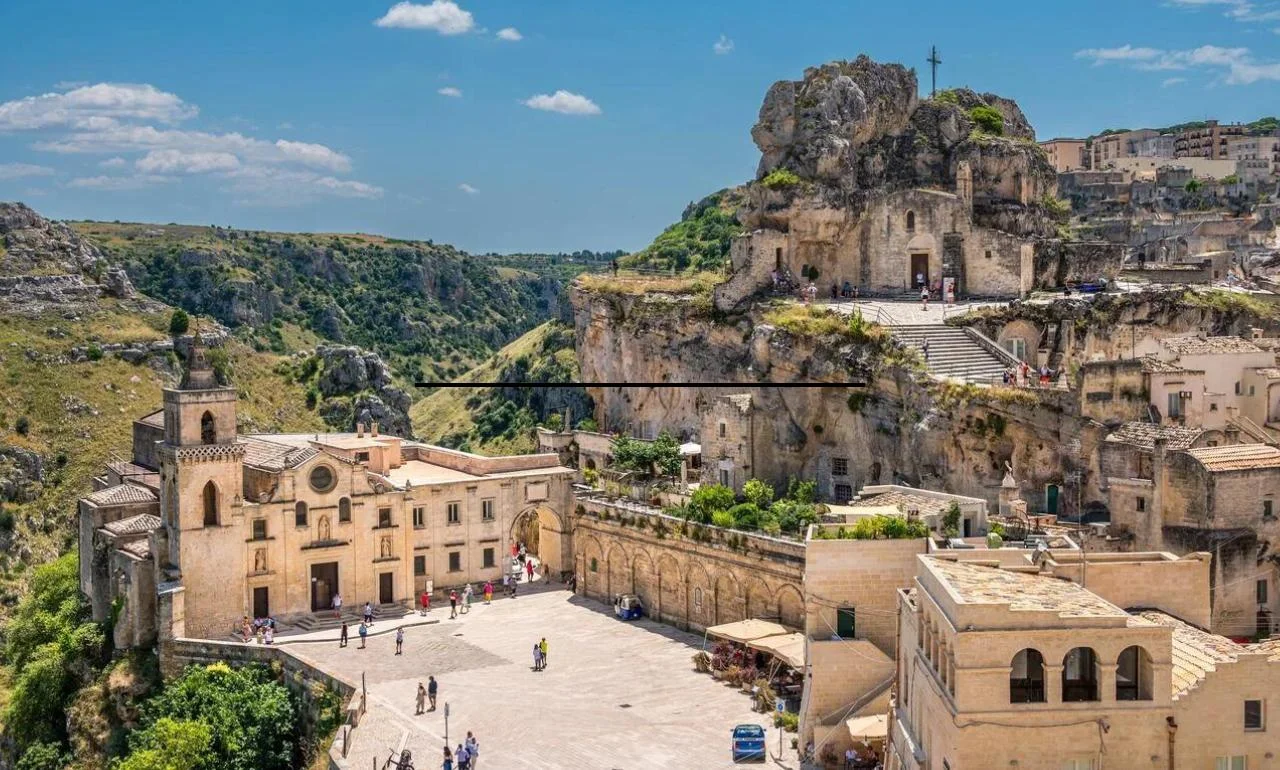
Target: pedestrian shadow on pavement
(687,638)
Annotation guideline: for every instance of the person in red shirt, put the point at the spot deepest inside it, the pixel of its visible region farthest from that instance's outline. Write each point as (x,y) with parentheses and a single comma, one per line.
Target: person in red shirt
(426,602)
(488,592)
(528,569)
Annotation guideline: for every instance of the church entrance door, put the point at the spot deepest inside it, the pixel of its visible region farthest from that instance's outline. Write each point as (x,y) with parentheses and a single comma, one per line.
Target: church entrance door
(919,271)
(385,594)
(324,584)
(261,607)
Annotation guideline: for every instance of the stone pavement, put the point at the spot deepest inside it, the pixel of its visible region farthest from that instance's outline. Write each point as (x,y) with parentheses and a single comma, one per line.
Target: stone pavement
(899,312)
(614,696)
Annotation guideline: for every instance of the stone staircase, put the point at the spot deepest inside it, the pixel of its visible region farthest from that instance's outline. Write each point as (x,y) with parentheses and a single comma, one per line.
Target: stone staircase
(953,352)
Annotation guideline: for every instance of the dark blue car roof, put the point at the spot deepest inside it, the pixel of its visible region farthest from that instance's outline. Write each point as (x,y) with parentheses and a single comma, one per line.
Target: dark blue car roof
(748,731)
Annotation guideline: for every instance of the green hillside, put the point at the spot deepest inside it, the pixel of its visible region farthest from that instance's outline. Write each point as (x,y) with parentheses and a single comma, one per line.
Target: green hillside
(430,310)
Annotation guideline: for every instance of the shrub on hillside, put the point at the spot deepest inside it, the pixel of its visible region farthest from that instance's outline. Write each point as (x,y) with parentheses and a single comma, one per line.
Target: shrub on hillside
(989,120)
(179,322)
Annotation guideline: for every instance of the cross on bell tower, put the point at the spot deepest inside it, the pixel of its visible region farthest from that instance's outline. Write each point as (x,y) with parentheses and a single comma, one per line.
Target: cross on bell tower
(934,61)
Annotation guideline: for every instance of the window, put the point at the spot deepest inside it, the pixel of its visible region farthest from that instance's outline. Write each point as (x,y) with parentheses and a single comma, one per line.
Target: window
(844,493)
(724,477)
(208,429)
(988,254)
(1141,504)
(344,509)
(384,517)
(1237,387)
(1017,347)
(1080,675)
(259,529)
(419,566)
(1026,677)
(1078,764)
(1254,718)
(488,558)
(455,561)
(322,478)
(362,457)
(1251,390)
(840,466)
(1133,675)
(1213,407)
(486,510)
(721,430)
(846,622)
(300,514)
(453,512)
(210,497)
(1267,511)
(911,221)
(1230,763)
(1175,405)
(419,517)
(1261,589)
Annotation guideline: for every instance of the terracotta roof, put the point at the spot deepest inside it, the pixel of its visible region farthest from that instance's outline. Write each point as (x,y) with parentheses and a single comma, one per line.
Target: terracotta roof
(134,525)
(903,501)
(122,494)
(1196,653)
(1239,457)
(140,548)
(1153,364)
(1144,434)
(274,456)
(1270,372)
(1196,346)
(981,584)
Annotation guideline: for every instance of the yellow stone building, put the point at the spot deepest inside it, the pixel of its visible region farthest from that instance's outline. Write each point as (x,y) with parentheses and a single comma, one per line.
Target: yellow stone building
(207,525)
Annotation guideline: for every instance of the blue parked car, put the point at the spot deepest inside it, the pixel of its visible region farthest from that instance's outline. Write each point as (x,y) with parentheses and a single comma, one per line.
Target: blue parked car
(748,743)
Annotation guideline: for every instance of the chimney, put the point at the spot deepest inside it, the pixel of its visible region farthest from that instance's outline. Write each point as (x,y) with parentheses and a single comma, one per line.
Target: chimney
(1256,333)
(1155,514)
(373,429)
(360,430)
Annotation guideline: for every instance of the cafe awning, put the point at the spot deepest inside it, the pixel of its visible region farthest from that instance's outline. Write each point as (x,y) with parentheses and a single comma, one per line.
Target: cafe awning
(690,449)
(787,647)
(746,630)
(869,728)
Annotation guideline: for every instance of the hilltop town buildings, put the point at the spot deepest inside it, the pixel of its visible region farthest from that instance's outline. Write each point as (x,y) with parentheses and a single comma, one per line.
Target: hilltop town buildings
(207,525)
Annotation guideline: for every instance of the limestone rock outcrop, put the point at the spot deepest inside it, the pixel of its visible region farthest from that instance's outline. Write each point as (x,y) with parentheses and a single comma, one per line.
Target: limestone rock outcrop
(357,386)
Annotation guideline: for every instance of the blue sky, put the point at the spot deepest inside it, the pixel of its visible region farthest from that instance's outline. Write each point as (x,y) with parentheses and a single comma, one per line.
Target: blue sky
(338,116)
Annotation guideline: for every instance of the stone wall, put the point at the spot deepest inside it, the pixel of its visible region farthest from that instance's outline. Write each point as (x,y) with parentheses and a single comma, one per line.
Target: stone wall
(1058,262)
(704,577)
(303,680)
(1113,390)
(862,575)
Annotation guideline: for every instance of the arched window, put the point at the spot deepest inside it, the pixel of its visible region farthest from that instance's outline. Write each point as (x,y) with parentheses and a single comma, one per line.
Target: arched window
(300,514)
(1026,677)
(1133,675)
(1080,675)
(208,429)
(344,509)
(210,505)
(911,221)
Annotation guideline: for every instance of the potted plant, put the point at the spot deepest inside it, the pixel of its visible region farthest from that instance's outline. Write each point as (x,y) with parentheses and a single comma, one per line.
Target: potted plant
(701,662)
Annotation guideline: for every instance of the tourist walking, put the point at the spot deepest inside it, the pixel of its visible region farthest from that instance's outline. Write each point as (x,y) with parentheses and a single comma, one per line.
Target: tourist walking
(448,759)
(342,638)
(924,346)
(467,593)
(421,700)
(425,602)
(337,602)
(364,634)
(400,640)
(537,657)
(432,688)
(924,298)
(473,749)
(488,592)
(542,647)
(528,569)
(460,754)
(270,635)
(368,613)
(453,604)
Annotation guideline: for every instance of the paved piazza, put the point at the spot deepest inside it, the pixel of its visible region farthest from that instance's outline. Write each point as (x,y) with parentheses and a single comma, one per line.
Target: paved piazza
(615,695)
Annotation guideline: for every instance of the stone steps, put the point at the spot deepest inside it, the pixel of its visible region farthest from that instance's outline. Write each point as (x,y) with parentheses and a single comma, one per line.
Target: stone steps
(952,352)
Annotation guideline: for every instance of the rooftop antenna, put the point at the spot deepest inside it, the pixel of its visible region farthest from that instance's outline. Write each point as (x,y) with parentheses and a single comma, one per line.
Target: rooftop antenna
(934,61)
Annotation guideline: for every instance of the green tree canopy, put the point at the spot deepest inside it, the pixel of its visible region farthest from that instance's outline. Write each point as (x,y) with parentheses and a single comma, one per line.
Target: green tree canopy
(179,322)
(989,120)
(171,744)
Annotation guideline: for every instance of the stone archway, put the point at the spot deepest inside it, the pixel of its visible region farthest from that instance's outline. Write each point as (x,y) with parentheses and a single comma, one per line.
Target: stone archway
(594,570)
(790,606)
(729,600)
(702,602)
(644,581)
(671,598)
(760,602)
(619,571)
(546,536)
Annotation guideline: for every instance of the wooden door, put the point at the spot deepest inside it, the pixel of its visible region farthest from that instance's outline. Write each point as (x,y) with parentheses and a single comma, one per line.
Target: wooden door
(324,584)
(261,607)
(385,584)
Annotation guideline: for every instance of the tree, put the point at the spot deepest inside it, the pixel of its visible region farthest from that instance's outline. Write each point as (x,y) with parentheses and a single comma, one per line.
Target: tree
(951,520)
(759,493)
(251,717)
(707,500)
(179,322)
(745,516)
(43,756)
(989,120)
(1193,186)
(170,744)
(663,454)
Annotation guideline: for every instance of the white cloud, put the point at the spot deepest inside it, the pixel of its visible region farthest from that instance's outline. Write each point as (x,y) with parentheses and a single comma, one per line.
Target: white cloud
(563,102)
(468,189)
(315,155)
(21,170)
(722,46)
(67,85)
(94,105)
(450,91)
(1240,10)
(171,161)
(510,34)
(117,137)
(116,162)
(1172,82)
(274,186)
(442,16)
(1236,65)
(118,182)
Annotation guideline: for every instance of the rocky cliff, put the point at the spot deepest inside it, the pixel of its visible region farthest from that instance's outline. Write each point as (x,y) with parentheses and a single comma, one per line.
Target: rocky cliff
(356,386)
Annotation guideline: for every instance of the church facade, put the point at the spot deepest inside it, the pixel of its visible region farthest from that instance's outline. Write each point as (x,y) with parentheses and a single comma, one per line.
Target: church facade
(206,525)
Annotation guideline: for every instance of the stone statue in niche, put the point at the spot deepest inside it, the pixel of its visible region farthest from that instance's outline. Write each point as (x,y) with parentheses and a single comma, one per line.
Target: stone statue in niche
(386,548)
(260,560)
(324,528)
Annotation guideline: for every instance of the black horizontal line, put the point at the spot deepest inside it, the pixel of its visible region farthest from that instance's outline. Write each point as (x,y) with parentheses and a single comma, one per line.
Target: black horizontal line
(640,384)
